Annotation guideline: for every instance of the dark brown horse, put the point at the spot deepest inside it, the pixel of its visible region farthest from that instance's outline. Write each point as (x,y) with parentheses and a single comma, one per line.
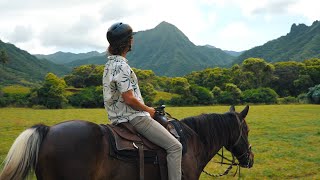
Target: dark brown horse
(80,150)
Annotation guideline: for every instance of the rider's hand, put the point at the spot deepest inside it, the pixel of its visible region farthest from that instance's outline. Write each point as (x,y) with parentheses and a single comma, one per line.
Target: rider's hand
(151,111)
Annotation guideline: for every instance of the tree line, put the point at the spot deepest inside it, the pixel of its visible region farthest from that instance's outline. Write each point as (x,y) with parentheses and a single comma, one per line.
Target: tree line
(253,81)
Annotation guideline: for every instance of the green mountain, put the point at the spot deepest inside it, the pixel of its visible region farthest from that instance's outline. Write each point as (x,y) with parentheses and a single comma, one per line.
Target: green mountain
(302,42)
(66,57)
(24,68)
(168,52)
(232,53)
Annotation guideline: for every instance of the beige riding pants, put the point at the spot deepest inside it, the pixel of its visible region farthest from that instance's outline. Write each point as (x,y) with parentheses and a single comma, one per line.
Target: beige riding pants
(157,134)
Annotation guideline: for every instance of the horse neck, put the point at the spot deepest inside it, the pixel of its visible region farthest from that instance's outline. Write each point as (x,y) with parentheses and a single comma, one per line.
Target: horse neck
(214,131)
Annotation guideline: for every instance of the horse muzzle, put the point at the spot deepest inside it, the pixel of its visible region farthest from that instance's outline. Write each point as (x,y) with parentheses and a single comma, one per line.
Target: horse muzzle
(247,161)
(251,160)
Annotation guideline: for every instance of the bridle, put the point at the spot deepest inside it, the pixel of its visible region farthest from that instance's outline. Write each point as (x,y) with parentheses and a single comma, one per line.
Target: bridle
(232,162)
(248,150)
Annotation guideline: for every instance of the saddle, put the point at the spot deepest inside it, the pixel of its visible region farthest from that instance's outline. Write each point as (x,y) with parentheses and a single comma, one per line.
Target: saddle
(128,145)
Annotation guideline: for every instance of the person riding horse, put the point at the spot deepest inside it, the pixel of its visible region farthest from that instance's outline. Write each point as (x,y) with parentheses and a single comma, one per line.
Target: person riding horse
(123,100)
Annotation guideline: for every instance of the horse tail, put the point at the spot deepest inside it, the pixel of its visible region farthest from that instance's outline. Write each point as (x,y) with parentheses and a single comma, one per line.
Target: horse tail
(23,154)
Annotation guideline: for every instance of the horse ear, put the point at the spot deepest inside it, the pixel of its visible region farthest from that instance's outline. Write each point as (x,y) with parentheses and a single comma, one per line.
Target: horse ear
(244,112)
(232,109)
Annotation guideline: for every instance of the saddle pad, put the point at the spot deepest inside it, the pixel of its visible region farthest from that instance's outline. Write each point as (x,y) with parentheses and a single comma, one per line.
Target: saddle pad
(126,138)
(125,150)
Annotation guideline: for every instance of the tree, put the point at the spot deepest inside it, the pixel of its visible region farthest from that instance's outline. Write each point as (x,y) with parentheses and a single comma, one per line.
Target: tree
(144,75)
(260,72)
(313,69)
(285,75)
(180,86)
(243,80)
(230,95)
(203,95)
(52,92)
(4,58)
(303,83)
(90,97)
(85,76)
(148,93)
(210,77)
(216,77)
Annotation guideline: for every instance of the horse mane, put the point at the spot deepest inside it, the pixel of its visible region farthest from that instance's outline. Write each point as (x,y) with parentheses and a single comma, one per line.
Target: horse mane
(212,129)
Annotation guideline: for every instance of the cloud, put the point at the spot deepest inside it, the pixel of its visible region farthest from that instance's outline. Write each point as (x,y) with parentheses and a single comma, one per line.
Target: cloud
(112,11)
(306,8)
(236,36)
(21,34)
(273,7)
(79,35)
(9,6)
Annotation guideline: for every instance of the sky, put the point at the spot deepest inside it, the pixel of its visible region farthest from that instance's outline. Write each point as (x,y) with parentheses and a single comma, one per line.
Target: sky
(79,26)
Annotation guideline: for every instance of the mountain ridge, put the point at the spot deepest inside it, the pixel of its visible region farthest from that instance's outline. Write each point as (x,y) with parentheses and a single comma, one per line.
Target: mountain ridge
(302,42)
(66,57)
(168,52)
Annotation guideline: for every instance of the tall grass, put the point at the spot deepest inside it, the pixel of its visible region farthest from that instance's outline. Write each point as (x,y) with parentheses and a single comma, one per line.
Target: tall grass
(285,138)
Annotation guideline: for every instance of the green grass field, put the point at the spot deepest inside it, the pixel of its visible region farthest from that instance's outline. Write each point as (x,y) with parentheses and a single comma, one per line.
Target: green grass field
(284,138)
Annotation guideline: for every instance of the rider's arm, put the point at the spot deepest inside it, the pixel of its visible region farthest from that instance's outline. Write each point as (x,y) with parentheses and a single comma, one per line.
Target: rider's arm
(133,102)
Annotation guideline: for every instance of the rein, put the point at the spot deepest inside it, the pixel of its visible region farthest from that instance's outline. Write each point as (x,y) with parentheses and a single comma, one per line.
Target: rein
(231,162)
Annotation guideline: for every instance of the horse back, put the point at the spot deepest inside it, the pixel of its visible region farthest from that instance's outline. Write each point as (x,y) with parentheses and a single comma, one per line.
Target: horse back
(80,150)
(72,150)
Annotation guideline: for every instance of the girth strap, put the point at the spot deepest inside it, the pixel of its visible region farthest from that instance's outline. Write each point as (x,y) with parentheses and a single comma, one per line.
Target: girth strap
(141,159)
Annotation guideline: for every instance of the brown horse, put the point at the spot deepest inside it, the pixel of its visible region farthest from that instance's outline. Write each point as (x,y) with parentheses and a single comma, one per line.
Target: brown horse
(79,150)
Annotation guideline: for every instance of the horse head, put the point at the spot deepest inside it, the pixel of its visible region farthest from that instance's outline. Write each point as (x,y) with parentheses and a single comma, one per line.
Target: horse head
(240,146)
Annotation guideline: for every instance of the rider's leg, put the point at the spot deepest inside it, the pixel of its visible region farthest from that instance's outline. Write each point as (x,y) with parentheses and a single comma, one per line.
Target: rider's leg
(157,134)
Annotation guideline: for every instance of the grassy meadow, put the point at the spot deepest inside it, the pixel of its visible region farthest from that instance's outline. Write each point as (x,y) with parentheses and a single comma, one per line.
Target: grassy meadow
(284,138)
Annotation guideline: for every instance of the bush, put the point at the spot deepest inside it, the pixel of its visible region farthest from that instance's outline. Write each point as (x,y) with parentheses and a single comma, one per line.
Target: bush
(260,95)
(230,95)
(302,98)
(314,94)
(15,100)
(183,100)
(226,98)
(203,95)
(91,97)
(288,100)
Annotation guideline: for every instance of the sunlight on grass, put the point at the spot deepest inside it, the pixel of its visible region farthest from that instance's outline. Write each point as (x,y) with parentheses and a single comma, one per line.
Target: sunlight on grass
(16,89)
(164,96)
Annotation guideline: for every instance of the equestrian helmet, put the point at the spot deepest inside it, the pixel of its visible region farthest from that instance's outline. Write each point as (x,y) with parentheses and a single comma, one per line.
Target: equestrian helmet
(119,33)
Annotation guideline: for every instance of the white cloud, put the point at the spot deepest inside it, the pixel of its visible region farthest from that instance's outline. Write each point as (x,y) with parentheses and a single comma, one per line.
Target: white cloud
(306,8)
(236,36)
(21,34)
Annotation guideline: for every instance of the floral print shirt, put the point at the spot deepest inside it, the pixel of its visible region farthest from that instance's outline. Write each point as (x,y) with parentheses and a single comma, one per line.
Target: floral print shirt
(118,78)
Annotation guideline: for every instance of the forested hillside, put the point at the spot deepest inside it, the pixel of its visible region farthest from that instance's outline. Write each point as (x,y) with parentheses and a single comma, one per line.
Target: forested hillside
(24,68)
(302,42)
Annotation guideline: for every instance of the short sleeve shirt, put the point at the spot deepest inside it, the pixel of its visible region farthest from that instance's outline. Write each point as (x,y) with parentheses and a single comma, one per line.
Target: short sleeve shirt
(118,78)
